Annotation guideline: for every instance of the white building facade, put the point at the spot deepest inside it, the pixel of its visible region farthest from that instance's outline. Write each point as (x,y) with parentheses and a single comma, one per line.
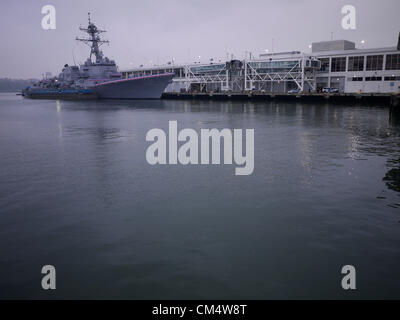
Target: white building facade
(354,70)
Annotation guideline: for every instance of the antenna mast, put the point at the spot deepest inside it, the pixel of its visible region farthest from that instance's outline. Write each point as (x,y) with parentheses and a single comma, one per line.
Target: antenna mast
(94,41)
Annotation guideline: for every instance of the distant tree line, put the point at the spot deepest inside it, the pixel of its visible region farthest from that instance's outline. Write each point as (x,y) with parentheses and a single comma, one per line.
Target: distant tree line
(12,85)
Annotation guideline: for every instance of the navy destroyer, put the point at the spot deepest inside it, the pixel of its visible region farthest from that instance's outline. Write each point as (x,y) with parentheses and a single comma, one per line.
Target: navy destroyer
(98,77)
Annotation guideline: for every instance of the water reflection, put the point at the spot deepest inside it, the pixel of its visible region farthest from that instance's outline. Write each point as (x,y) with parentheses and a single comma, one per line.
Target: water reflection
(112,105)
(355,132)
(392,178)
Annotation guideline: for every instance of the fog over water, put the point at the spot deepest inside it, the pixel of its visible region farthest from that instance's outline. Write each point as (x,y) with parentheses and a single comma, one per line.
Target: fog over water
(155,31)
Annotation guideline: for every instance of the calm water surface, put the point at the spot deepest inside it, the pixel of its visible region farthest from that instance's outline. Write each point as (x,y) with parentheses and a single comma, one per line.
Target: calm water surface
(76,192)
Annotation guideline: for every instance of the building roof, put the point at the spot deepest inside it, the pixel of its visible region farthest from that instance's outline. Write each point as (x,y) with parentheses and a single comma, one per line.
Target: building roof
(356,52)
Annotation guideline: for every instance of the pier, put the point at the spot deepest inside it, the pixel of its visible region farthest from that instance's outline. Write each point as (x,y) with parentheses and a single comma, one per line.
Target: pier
(367,98)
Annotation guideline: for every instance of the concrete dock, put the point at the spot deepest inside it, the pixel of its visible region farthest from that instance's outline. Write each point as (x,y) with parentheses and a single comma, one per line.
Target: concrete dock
(367,98)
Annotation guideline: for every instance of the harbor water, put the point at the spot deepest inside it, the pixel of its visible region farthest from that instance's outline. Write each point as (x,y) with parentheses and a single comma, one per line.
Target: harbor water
(76,192)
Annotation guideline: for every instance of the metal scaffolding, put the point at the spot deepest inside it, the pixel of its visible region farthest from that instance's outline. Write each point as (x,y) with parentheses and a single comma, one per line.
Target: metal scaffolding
(298,74)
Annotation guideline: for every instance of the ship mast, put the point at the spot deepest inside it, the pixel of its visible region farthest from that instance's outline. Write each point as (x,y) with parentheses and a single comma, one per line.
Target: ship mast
(94,41)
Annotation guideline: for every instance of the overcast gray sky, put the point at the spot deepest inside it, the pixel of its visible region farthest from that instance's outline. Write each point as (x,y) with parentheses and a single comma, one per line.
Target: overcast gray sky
(159,30)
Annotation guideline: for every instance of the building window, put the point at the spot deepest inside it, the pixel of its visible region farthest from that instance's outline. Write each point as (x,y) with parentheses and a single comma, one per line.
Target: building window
(393,62)
(392,78)
(373,79)
(338,64)
(324,64)
(374,62)
(356,63)
(355,79)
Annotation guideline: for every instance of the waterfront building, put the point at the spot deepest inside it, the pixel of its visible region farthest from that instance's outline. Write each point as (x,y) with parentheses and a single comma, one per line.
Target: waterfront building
(353,70)
(331,64)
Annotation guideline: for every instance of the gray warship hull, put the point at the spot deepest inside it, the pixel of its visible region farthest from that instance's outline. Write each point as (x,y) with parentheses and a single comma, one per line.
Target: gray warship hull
(148,87)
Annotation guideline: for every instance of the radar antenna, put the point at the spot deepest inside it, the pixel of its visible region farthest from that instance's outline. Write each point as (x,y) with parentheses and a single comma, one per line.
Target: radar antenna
(94,41)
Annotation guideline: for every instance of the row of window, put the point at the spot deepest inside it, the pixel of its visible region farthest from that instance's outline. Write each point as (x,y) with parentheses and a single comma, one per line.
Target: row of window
(373,63)
(274,64)
(391,78)
(215,68)
(373,78)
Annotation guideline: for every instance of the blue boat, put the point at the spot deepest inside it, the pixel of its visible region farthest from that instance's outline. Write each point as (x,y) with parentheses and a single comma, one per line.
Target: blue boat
(55,93)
